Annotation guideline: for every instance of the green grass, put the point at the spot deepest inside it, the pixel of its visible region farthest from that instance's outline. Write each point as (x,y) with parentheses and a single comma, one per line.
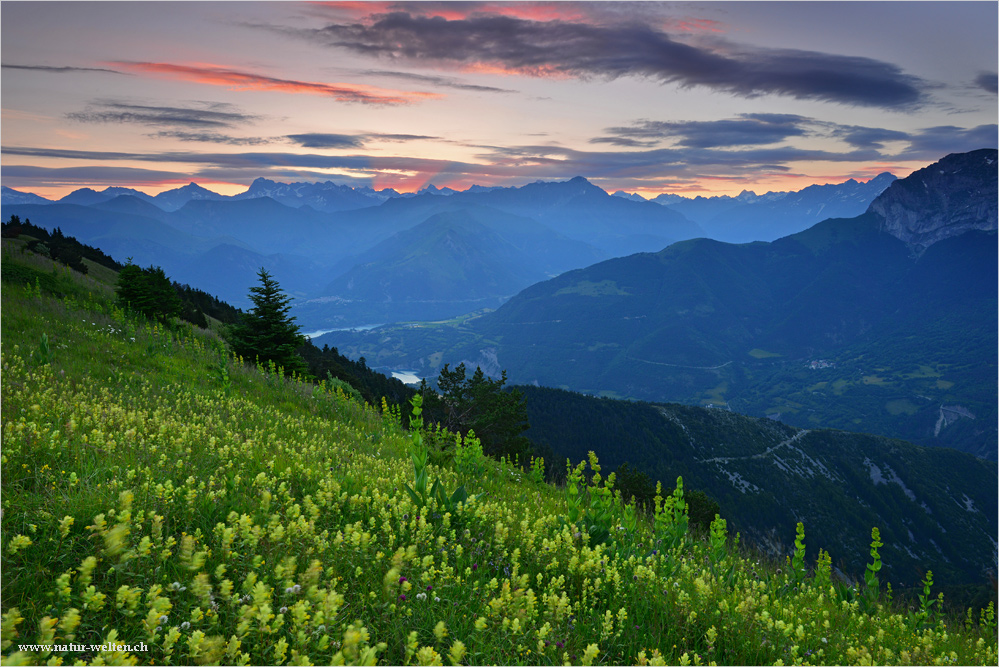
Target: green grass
(590,288)
(266,522)
(901,406)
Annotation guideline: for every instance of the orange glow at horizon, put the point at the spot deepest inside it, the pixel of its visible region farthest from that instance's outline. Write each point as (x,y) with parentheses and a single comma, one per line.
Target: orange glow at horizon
(409,181)
(417,179)
(216,75)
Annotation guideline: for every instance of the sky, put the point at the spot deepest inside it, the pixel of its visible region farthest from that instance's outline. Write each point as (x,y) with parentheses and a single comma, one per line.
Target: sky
(691,98)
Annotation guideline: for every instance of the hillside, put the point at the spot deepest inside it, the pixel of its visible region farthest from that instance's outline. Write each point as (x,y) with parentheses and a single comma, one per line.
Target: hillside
(844,325)
(454,262)
(937,508)
(161,498)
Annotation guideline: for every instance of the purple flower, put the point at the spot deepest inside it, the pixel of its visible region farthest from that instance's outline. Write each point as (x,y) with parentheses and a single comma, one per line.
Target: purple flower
(559,644)
(402,579)
(475,566)
(402,597)
(429,587)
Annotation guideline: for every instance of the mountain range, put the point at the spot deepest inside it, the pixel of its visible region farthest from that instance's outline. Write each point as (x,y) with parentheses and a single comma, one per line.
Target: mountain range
(859,323)
(751,217)
(218,242)
(308,235)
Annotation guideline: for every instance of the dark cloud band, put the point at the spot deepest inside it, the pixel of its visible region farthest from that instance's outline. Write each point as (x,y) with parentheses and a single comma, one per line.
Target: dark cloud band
(560,48)
(988,81)
(748,130)
(49,69)
(212,138)
(319,140)
(196,117)
(520,163)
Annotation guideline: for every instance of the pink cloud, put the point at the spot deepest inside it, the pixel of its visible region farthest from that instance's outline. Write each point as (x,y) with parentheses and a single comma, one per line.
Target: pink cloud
(216,75)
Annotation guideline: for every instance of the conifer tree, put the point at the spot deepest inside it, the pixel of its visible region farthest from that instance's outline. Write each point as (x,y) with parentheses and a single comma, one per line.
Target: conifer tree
(147,291)
(479,403)
(268,332)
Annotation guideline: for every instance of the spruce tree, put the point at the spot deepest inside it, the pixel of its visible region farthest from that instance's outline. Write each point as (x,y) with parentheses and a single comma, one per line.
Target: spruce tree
(148,291)
(268,332)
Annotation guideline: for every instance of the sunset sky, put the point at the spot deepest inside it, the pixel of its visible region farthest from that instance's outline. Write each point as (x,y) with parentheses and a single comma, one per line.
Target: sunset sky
(690,98)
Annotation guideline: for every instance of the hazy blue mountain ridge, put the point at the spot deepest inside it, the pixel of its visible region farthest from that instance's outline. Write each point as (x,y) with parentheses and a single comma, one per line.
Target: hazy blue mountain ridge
(751,217)
(838,326)
(10,197)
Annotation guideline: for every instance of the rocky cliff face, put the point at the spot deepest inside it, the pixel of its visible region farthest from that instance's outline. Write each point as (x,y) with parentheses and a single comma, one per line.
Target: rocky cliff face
(947,198)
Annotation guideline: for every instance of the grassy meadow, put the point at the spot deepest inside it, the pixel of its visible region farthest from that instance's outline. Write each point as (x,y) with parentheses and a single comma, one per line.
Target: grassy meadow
(158,494)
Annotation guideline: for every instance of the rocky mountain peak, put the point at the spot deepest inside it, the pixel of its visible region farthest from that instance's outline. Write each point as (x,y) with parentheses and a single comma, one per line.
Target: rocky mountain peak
(947,198)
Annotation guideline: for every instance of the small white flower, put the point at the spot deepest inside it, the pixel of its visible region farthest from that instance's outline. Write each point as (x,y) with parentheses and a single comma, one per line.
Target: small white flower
(283,610)
(186,625)
(436,599)
(421,596)
(164,619)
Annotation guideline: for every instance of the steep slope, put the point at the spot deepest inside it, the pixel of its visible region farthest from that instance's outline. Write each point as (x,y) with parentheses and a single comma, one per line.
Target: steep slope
(449,256)
(936,508)
(945,199)
(453,263)
(264,224)
(445,260)
(133,205)
(233,517)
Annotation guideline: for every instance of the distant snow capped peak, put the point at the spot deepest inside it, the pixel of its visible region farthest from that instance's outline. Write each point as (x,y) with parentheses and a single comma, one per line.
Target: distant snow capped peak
(666,199)
(195,191)
(746,196)
(633,196)
(325,196)
(483,188)
(12,197)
